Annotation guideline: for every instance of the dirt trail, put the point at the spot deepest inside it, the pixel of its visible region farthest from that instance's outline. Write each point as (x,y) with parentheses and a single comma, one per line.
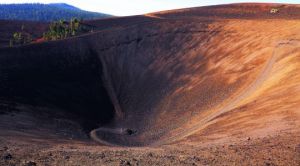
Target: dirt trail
(93,135)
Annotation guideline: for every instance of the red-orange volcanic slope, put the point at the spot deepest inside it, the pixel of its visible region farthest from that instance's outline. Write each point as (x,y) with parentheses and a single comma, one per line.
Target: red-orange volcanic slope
(186,75)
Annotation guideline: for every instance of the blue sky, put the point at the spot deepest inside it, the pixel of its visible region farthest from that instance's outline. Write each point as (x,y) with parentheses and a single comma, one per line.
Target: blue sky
(133,7)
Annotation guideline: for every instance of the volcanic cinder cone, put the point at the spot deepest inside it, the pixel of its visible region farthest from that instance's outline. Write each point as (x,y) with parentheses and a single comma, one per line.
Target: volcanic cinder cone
(188,76)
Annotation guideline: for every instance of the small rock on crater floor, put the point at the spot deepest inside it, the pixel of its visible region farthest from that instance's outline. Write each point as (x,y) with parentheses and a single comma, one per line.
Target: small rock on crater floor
(7,156)
(150,154)
(125,163)
(30,163)
(102,155)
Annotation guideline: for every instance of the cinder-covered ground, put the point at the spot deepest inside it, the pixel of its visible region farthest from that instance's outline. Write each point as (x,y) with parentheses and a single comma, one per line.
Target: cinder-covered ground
(282,148)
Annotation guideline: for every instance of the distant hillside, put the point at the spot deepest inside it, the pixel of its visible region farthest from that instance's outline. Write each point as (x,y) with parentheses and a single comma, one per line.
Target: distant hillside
(45,12)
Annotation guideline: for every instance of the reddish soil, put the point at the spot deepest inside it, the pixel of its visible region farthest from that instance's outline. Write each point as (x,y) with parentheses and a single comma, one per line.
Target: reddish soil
(215,85)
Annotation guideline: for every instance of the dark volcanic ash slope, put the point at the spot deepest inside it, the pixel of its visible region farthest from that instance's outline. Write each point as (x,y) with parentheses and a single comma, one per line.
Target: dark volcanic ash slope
(157,81)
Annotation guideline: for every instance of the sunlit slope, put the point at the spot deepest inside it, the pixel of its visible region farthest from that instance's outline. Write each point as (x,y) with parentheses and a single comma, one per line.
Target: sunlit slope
(266,106)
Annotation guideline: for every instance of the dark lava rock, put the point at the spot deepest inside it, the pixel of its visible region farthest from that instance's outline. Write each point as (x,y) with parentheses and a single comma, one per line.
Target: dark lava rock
(30,163)
(150,154)
(196,158)
(7,157)
(102,155)
(125,163)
